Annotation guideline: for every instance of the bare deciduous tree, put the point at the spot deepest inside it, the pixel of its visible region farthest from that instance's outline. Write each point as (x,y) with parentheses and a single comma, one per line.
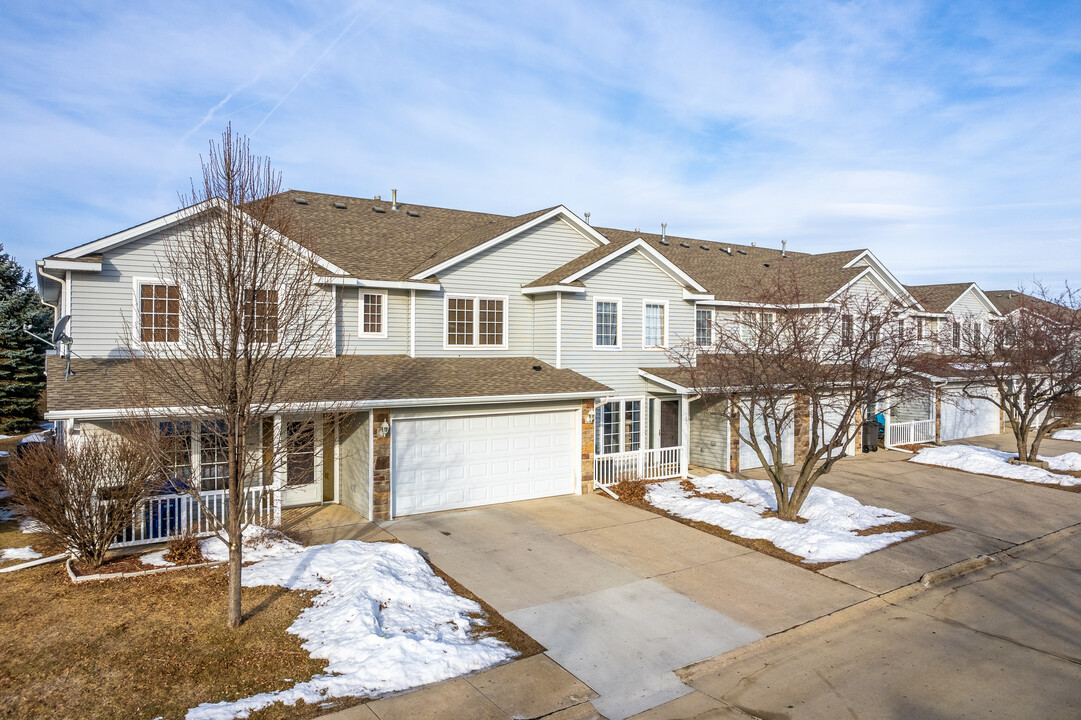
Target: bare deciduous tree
(790,361)
(86,491)
(235,331)
(1032,358)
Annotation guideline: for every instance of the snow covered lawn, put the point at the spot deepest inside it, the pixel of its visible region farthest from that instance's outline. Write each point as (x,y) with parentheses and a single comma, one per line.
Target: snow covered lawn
(1074,435)
(829,535)
(21,553)
(382,618)
(985,461)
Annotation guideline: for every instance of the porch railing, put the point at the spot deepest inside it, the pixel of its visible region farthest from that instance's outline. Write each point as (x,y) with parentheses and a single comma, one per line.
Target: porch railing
(656,464)
(908,433)
(164,517)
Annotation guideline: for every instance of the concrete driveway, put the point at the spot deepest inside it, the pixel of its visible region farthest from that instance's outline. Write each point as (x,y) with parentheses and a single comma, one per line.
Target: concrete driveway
(619,596)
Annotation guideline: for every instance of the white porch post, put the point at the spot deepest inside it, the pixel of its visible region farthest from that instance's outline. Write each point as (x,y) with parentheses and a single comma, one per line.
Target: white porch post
(278,468)
(886,429)
(684,436)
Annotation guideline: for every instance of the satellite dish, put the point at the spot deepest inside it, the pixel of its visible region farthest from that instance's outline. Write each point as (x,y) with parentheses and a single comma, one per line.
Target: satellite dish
(59,334)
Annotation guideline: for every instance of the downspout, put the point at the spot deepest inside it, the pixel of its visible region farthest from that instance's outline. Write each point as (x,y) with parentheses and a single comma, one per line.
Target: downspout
(63,291)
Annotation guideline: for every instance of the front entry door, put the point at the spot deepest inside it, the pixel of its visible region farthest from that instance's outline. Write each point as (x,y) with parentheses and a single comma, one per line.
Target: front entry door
(301,486)
(669,423)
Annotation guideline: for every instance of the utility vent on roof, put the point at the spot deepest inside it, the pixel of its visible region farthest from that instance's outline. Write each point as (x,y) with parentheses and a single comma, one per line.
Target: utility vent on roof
(664,242)
(379,209)
(728,250)
(340,205)
(704,247)
(765,264)
(683,244)
(742,252)
(412,213)
(300,201)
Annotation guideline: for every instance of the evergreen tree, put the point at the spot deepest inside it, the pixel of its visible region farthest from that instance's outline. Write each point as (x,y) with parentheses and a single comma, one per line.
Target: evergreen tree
(22,358)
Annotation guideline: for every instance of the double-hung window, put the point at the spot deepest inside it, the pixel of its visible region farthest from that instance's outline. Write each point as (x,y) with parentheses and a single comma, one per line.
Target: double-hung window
(476,321)
(177,450)
(956,333)
(703,327)
(213,457)
(606,330)
(373,314)
(159,312)
(977,339)
(654,324)
(847,331)
(261,315)
(755,325)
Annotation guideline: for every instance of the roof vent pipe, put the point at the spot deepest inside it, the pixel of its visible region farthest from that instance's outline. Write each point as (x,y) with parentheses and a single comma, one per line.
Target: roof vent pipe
(394,198)
(784,244)
(587,217)
(664,228)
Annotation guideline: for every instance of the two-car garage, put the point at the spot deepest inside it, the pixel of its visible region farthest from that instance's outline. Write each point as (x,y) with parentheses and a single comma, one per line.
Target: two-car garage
(445,462)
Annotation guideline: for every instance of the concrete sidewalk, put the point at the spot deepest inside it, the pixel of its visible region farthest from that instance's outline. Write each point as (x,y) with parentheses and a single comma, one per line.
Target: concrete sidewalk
(620,596)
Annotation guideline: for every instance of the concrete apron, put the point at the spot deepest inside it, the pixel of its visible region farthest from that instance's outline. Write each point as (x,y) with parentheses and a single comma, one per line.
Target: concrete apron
(621,633)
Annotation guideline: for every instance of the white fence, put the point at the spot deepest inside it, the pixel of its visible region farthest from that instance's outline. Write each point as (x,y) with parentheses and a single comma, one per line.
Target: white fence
(908,433)
(656,464)
(163,517)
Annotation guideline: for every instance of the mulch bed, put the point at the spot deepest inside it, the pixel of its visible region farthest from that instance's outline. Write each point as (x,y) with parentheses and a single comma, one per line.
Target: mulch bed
(634,493)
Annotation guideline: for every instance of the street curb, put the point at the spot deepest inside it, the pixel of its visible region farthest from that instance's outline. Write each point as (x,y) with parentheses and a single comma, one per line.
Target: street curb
(930,579)
(937,577)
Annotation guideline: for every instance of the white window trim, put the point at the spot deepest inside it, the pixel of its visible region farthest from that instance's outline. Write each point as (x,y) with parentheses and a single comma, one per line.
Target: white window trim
(643,423)
(664,330)
(281,293)
(447,297)
(137,313)
(360,313)
(712,329)
(619,323)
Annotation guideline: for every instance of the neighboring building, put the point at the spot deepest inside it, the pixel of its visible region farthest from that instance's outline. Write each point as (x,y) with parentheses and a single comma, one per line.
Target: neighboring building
(491,358)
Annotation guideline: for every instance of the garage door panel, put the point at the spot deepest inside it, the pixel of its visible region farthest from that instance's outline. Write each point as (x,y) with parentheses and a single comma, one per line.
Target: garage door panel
(965,417)
(515,457)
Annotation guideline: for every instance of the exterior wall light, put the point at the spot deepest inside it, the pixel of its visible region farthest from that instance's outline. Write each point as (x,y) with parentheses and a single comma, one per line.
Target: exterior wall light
(384,429)
(590,416)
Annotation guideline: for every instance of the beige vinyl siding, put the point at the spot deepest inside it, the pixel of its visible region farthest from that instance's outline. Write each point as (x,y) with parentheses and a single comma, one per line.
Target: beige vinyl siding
(350,341)
(500,271)
(634,278)
(709,436)
(355,463)
(544,328)
(103,303)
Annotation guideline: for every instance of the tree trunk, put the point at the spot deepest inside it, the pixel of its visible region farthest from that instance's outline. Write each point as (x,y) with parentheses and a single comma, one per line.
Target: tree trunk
(235,558)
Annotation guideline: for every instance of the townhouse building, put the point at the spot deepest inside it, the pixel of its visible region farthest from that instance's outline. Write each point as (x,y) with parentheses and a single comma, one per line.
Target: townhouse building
(488,358)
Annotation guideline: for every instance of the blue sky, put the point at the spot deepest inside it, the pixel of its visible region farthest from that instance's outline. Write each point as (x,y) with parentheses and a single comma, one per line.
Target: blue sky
(945,137)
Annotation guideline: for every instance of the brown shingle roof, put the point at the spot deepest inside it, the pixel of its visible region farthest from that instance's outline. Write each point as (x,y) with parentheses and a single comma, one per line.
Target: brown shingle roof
(740,277)
(102,383)
(936,298)
(391,245)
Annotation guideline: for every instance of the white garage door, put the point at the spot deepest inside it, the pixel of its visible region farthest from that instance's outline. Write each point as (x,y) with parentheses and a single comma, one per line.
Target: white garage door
(965,417)
(442,463)
(748,458)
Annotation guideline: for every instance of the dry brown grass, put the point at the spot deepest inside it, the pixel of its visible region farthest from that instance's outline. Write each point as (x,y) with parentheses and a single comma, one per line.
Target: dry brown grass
(634,493)
(141,648)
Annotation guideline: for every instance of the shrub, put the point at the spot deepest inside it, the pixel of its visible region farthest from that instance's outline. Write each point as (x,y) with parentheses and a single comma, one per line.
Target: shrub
(184,550)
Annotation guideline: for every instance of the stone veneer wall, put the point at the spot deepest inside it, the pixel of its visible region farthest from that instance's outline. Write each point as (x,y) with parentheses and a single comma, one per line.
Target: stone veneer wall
(380,467)
(588,438)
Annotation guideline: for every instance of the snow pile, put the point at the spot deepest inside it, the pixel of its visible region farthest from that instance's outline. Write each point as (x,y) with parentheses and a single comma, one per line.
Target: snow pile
(1074,435)
(382,619)
(985,461)
(7,513)
(29,525)
(829,535)
(260,543)
(23,553)
(4,493)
